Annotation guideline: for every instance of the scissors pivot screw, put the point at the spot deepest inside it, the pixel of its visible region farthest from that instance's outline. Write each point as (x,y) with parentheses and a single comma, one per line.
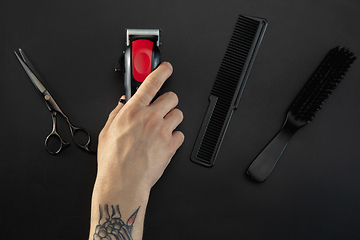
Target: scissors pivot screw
(47,97)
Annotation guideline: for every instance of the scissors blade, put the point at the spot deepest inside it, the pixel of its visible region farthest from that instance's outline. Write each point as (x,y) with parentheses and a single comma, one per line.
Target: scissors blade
(29,64)
(26,64)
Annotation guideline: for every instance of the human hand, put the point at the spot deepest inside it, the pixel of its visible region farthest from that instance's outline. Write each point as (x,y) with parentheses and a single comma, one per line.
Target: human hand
(138,140)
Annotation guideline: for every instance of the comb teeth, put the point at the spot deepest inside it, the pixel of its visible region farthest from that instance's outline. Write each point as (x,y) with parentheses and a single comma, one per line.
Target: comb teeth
(321,84)
(227,79)
(213,132)
(229,84)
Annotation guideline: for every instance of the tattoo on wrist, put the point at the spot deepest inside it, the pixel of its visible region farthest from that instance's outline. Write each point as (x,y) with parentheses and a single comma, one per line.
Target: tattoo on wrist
(111,226)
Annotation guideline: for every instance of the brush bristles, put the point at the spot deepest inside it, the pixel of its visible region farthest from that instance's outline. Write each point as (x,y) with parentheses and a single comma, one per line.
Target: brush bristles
(321,84)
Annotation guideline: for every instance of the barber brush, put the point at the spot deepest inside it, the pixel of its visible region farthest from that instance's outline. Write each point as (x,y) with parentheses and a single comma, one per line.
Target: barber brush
(304,108)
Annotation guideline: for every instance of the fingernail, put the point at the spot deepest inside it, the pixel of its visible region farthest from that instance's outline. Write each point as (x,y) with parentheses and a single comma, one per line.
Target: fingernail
(122,99)
(169,65)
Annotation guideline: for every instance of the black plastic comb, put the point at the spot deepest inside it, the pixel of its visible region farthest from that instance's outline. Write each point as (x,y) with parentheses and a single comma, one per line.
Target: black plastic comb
(228,87)
(304,108)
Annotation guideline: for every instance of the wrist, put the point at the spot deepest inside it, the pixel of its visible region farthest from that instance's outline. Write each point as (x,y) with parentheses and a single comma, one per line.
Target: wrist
(108,189)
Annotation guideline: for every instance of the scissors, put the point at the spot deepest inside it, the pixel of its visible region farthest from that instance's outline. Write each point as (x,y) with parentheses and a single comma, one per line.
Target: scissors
(54,110)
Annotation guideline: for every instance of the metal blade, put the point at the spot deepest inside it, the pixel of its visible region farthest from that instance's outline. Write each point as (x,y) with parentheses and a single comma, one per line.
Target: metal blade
(30,73)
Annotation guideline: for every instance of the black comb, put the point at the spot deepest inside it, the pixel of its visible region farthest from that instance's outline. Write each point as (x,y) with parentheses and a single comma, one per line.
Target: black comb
(304,108)
(228,87)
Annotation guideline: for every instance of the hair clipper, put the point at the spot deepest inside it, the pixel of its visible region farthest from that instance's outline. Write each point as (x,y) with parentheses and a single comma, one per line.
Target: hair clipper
(141,57)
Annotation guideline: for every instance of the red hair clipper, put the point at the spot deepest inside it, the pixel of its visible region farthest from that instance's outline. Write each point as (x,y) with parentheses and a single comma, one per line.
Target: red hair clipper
(141,57)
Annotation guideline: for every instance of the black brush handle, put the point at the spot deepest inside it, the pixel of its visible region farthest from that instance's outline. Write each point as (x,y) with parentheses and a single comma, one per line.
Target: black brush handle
(264,163)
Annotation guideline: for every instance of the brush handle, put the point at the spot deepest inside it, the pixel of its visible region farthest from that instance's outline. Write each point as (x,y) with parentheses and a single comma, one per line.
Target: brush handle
(263,165)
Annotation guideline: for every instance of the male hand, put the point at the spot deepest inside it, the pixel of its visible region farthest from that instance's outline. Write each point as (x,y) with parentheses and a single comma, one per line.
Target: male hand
(135,146)
(138,140)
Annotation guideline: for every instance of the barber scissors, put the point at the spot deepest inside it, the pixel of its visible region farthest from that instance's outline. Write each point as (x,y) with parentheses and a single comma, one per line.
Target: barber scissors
(54,110)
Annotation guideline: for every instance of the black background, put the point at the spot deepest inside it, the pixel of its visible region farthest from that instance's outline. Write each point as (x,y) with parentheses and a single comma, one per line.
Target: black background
(314,191)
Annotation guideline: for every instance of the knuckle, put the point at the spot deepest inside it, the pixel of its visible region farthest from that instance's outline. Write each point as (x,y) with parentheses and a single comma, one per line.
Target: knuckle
(165,132)
(111,113)
(181,137)
(144,97)
(173,96)
(178,140)
(179,113)
(130,116)
(152,119)
(154,81)
(101,134)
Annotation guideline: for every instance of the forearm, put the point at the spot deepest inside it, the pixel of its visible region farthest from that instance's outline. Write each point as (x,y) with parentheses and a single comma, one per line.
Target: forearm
(117,212)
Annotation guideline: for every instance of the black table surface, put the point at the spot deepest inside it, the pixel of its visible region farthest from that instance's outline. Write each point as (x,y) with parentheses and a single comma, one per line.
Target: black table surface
(313,192)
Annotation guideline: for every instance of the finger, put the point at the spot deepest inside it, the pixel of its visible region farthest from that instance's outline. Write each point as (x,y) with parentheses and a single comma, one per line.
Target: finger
(174,118)
(178,139)
(153,83)
(165,103)
(114,112)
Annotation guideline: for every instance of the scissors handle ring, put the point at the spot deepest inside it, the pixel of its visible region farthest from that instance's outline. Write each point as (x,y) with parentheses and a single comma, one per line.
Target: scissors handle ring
(74,130)
(63,144)
(55,134)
